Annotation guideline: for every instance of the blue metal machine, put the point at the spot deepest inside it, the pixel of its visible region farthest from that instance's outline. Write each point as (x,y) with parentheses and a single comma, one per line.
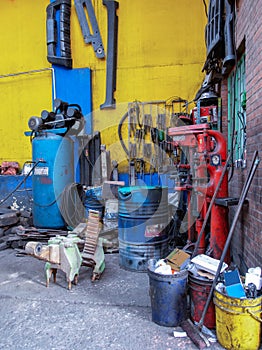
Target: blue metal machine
(53,158)
(54,172)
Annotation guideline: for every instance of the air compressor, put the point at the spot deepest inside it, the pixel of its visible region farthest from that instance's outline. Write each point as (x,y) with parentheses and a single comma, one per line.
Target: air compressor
(53,158)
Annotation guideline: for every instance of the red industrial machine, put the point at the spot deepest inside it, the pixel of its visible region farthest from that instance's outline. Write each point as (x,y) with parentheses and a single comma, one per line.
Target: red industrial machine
(201,154)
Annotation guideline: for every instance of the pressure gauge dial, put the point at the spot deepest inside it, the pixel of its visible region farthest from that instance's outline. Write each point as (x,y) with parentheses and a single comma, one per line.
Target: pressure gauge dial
(215,159)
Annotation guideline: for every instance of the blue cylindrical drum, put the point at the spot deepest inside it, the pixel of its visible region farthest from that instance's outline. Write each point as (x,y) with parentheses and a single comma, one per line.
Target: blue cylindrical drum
(54,172)
(94,201)
(142,225)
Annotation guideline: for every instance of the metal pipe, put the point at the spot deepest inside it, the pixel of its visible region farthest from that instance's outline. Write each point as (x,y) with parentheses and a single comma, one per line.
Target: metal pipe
(32,72)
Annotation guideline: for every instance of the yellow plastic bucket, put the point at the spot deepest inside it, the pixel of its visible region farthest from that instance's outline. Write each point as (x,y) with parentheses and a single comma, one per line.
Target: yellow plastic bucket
(238,322)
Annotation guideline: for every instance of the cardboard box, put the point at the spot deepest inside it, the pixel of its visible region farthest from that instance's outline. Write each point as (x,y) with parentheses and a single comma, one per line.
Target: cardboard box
(178,259)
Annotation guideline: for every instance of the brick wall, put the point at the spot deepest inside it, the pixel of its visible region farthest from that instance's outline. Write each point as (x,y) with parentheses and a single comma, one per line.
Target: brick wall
(223,94)
(247,237)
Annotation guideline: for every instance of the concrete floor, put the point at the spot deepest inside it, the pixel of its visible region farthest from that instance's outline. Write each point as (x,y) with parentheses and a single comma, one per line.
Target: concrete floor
(111,313)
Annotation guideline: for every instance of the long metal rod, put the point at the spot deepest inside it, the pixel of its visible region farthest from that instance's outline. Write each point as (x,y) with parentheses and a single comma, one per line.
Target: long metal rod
(244,192)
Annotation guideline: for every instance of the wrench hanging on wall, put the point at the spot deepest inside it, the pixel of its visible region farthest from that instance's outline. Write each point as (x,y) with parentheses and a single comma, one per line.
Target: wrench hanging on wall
(90,36)
(63,8)
(112,30)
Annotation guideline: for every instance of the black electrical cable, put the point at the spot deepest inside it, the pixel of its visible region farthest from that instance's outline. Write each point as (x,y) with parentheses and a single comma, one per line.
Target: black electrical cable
(20,183)
(241,117)
(120,133)
(47,205)
(204,2)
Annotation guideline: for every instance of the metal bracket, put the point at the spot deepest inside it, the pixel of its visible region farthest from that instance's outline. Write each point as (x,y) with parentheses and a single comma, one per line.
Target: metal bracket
(65,59)
(95,38)
(226,202)
(112,30)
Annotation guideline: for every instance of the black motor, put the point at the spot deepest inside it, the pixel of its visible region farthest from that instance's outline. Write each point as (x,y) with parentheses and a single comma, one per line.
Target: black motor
(64,116)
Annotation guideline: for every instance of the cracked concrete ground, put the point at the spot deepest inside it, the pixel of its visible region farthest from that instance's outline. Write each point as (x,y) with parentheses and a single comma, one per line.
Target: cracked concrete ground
(111,313)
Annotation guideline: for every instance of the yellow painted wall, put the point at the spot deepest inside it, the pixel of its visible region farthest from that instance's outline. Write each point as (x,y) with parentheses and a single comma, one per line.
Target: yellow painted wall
(161,52)
(22,38)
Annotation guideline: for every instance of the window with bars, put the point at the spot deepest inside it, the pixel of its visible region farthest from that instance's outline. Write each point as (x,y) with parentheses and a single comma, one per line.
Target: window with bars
(237,113)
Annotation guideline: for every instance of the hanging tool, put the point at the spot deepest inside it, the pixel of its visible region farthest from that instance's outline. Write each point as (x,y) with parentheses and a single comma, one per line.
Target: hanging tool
(63,9)
(132,125)
(161,121)
(111,63)
(193,334)
(90,36)
(139,137)
(147,122)
(132,150)
(147,150)
(140,167)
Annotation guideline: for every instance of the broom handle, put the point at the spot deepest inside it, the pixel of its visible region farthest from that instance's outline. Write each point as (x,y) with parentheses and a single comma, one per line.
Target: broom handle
(245,189)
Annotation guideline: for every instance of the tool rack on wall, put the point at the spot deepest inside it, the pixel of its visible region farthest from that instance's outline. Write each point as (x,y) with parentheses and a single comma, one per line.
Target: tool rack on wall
(149,147)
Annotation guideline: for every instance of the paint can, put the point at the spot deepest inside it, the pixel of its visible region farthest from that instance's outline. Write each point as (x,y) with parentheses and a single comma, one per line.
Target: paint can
(199,288)
(168,294)
(238,321)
